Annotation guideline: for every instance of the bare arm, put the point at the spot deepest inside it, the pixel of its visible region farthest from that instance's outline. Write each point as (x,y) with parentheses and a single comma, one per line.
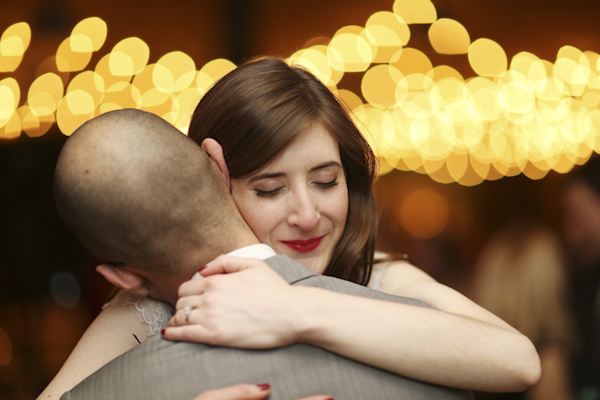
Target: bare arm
(108,336)
(459,345)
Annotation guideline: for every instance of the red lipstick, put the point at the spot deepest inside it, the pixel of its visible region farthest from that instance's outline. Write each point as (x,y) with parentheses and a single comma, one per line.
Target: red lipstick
(303,246)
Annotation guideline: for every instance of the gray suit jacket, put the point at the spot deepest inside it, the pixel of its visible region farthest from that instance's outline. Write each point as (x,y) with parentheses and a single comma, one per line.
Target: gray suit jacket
(162,369)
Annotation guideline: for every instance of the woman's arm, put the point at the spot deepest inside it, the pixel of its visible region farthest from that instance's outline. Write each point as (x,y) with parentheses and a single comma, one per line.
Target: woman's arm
(457,344)
(108,336)
(460,345)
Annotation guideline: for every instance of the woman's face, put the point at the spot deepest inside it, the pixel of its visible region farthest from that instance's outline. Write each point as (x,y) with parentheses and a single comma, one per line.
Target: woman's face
(298,203)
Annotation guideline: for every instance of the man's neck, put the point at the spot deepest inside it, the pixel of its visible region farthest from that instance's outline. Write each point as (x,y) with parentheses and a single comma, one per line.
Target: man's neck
(165,285)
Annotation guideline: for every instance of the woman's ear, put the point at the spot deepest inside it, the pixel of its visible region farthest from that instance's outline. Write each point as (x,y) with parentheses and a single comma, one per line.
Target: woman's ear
(124,279)
(215,152)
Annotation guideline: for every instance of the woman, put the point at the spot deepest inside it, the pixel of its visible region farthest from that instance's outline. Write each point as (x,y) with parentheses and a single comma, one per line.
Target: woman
(253,115)
(262,124)
(525,259)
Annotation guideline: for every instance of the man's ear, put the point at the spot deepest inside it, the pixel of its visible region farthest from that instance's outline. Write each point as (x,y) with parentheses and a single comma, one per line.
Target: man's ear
(215,152)
(124,279)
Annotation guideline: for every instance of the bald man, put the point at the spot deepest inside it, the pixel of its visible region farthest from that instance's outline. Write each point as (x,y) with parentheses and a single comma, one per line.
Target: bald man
(146,200)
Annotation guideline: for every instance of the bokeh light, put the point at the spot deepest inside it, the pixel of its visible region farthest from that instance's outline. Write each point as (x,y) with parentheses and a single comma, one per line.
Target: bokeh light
(65,289)
(448,36)
(521,116)
(6,348)
(424,212)
(13,44)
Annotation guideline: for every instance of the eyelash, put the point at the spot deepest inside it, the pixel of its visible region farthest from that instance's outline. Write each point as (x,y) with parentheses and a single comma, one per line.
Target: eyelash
(267,193)
(271,193)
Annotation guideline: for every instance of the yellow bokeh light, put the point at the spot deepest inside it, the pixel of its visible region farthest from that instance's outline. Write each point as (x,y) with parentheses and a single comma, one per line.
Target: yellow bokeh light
(524,62)
(218,68)
(13,44)
(487,58)
(33,125)
(186,103)
(45,93)
(450,89)
(481,99)
(92,85)
(350,51)
(12,128)
(103,70)
(10,63)
(88,35)
(534,117)
(388,33)
(349,98)
(150,95)
(416,11)
(68,60)
(80,102)
(67,120)
(448,36)
(378,85)
(516,94)
(445,71)
(15,40)
(129,57)
(10,94)
(413,61)
(316,62)
(174,72)
(122,95)
(575,75)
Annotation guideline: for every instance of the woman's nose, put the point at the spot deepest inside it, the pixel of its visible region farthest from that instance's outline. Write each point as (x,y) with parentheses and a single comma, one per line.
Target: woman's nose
(303,211)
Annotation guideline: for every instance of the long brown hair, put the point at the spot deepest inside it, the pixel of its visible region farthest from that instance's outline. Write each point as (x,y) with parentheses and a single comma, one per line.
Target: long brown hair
(256,110)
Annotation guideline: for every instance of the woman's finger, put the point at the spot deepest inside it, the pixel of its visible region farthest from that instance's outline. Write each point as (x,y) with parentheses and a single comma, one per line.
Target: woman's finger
(193,300)
(242,391)
(245,391)
(194,333)
(191,287)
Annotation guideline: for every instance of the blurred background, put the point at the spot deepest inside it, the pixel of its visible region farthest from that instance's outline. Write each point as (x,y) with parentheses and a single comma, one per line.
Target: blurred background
(49,291)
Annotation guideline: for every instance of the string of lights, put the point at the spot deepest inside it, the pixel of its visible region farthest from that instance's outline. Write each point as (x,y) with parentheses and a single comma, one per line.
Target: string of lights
(527,115)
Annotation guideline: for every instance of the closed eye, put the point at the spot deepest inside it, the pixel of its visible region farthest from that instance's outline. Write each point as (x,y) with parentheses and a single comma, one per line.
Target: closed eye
(267,193)
(327,185)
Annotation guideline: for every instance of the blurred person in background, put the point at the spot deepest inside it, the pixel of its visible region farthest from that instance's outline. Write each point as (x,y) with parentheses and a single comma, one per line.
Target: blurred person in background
(520,276)
(581,201)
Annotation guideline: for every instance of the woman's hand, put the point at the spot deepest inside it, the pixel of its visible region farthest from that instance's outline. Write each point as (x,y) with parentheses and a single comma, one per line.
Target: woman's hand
(245,391)
(240,303)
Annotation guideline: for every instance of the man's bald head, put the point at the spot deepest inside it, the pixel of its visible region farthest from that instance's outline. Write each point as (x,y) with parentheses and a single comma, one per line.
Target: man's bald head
(136,190)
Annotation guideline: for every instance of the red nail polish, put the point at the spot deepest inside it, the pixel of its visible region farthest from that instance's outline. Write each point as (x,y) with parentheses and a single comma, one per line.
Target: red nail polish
(162,332)
(264,386)
(202,268)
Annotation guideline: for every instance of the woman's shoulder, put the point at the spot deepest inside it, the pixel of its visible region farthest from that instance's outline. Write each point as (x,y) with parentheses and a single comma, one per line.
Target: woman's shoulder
(149,311)
(392,271)
(383,262)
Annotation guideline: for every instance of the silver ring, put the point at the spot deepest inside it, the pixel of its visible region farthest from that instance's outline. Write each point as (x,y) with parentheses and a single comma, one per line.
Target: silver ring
(188,311)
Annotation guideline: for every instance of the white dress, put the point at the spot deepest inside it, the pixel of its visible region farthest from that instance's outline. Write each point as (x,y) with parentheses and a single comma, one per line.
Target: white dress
(156,313)
(151,312)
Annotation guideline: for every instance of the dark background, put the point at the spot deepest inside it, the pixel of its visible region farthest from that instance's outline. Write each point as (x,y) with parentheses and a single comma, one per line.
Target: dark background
(38,330)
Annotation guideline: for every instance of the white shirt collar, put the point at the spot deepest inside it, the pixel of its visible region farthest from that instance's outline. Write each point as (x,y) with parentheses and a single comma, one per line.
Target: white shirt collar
(261,251)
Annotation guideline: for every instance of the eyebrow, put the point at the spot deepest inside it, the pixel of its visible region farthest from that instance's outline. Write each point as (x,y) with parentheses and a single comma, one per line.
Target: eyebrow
(279,174)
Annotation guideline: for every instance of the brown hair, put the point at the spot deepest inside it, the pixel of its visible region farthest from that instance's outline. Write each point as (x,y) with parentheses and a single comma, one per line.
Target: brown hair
(256,110)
